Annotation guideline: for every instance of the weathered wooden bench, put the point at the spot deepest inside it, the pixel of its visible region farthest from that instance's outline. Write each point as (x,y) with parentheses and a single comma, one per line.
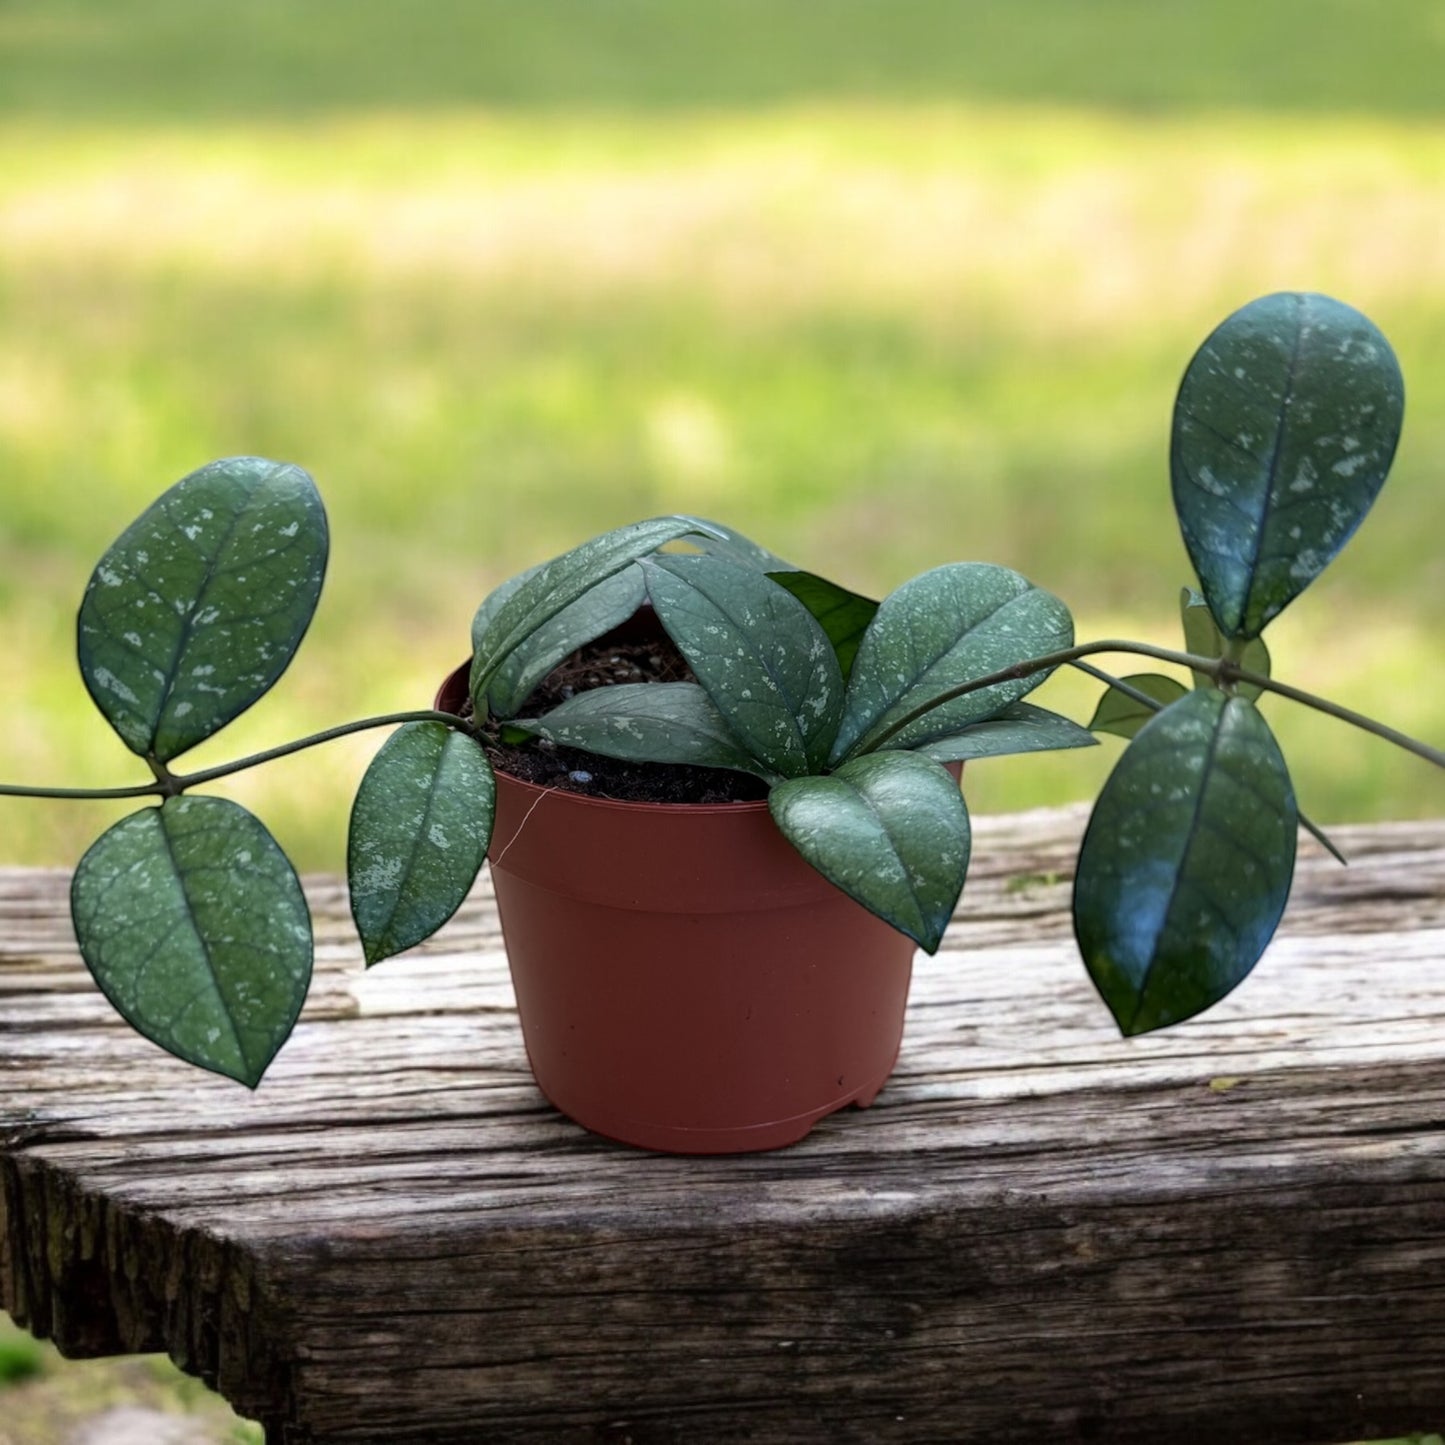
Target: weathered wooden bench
(1231,1232)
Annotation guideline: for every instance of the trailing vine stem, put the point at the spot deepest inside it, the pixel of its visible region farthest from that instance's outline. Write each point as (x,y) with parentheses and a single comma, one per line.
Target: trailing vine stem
(168,784)
(1154,705)
(1224,671)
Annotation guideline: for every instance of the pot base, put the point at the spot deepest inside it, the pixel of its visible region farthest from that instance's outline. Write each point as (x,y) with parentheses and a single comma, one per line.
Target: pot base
(679,1139)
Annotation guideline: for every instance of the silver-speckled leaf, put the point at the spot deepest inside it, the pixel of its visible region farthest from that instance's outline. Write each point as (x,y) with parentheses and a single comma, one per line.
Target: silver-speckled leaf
(1284,430)
(198,607)
(601,608)
(764,661)
(891,830)
(655,722)
(958,622)
(1020,728)
(193,923)
(419,833)
(1186,865)
(546,590)
(719,540)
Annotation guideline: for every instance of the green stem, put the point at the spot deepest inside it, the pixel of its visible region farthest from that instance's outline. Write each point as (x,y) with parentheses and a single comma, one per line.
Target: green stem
(1222,669)
(1135,694)
(1154,705)
(169,784)
(137,790)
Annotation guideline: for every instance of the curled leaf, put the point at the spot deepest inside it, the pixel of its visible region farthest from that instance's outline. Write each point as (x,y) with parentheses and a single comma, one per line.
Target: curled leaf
(544,591)
(602,607)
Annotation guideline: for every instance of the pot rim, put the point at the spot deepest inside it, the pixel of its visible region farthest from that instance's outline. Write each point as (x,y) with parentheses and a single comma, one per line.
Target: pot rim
(632,805)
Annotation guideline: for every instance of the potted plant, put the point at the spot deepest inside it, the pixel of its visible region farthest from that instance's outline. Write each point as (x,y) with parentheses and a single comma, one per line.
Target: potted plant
(723,958)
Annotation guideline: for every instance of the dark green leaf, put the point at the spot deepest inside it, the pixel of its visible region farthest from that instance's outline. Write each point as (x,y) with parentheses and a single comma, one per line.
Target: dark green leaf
(891,830)
(195,927)
(1122,715)
(1020,728)
(655,722)
(544,592)
(1284,430)
(1187,861)
(1203,637)
(419,832)
(842,614)
(197,608)
(959,622)
(765,663)
(598,610)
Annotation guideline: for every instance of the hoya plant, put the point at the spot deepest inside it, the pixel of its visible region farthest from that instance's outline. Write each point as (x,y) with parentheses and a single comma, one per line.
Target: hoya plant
(848,710)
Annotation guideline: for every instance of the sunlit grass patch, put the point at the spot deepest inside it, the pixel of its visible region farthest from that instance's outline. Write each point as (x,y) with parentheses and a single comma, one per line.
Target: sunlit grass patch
(879,338)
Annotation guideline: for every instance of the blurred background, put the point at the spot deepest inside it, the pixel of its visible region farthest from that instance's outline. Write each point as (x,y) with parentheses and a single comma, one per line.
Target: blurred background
(886,283)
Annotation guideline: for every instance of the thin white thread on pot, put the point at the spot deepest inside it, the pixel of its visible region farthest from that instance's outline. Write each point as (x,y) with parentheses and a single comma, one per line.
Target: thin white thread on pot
(523,824)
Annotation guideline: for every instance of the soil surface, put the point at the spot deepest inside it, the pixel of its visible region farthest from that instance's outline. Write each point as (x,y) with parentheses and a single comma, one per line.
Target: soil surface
(604,664)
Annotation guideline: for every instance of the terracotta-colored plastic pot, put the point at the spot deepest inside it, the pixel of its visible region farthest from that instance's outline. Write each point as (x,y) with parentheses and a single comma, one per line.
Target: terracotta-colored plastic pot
(686,982)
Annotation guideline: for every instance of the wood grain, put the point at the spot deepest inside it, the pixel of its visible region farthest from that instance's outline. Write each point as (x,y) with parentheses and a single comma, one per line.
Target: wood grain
(1234,1231)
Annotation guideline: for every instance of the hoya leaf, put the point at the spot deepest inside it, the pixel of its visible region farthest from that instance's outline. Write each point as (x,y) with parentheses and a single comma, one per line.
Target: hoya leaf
(419,833)
(1020,728)
(891,830)
(717,540)
(1122,715)
(654,722)
(1186,864)
(1284,430)
(599,609)
(200,604)
(492,602)
(1202,636)
(842,614)
(537,599)
(952,625)
(765,663)
(193,923)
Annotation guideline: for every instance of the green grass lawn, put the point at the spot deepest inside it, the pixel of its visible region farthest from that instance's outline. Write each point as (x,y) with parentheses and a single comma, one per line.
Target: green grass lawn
(189,58)
(900,286)
(878,338)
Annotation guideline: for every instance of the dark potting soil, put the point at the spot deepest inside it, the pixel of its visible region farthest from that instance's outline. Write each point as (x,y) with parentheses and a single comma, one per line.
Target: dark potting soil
(605,664)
